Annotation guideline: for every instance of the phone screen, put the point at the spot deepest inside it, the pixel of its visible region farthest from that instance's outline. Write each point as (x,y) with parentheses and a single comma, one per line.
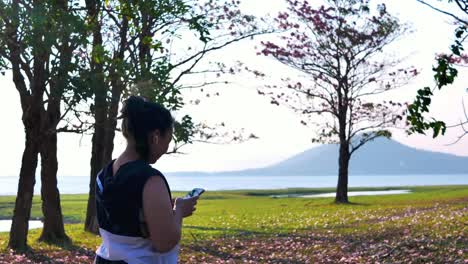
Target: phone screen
(195,192)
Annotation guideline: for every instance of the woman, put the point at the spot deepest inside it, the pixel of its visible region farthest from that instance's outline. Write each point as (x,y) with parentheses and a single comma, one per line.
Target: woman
(138,221)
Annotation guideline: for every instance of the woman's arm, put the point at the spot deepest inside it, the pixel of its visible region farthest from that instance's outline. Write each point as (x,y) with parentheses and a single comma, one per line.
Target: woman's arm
(164,223)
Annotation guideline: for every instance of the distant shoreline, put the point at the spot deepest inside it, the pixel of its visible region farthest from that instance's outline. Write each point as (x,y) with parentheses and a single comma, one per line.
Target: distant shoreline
(304,190)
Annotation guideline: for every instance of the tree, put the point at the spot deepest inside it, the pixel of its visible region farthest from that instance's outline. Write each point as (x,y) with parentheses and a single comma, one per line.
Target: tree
(141,48)
(37,41)
(445,73)
(336,51)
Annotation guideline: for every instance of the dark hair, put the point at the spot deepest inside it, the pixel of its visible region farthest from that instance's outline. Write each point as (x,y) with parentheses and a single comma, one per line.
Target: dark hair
(140,117)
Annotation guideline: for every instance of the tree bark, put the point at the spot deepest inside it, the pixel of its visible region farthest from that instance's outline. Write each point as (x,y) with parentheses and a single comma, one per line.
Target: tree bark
(102,145)
(105,113)
(98,161)
(117,86)
(102,148)
(91,224)
(40,126)
(113,110)
(100,106)
(344,154)
(343,163)
(32,106)
(22,212)
(53,231)
(97,156)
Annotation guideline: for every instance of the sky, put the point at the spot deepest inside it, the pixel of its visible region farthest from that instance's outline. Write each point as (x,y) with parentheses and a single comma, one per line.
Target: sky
(279,130)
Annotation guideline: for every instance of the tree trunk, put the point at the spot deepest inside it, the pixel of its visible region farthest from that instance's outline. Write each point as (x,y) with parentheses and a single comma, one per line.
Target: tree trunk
(103,146)
(37,139)
(111,121)
(100,106)
(91,224)
(111,126)
(53,231)
(105,113)
(22,212)
(343,163)
(31,104)
(118,87)
(97,156)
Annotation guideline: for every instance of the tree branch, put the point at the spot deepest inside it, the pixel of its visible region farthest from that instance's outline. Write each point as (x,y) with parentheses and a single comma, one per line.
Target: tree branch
(444,12)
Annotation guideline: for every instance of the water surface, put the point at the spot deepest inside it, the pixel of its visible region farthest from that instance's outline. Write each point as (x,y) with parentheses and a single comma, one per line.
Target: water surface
(5,225)
(80,185)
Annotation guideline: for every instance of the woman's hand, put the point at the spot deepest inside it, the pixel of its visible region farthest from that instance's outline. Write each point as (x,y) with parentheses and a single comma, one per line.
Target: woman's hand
(185,206)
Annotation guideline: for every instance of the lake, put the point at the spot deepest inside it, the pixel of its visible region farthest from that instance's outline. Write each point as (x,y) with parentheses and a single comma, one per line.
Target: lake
(76,185)
(360,193)
(5,225)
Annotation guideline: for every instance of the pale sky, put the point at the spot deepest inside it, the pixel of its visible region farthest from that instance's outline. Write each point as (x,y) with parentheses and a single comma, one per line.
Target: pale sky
(281,134)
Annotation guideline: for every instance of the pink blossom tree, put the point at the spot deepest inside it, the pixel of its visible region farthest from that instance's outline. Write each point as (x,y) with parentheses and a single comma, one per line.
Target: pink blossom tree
(336,50)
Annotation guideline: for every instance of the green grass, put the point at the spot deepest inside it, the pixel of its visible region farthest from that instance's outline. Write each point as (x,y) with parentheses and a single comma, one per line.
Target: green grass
(74,205)
(247,214)
(250,213)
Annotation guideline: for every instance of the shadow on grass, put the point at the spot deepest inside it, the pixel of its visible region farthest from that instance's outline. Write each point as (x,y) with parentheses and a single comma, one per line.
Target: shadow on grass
(351,204)
(242,259)
(390,245)
(64,256)
(241,232)
(37,256)
(29,254)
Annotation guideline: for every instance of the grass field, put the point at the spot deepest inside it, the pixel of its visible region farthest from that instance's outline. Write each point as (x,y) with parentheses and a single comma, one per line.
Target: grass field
(428,225)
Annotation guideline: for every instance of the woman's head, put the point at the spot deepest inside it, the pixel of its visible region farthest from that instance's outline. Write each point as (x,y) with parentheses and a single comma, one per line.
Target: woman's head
(147,126)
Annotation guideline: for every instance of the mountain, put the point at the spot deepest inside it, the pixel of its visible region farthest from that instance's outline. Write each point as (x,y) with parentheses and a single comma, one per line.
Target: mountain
(379,157)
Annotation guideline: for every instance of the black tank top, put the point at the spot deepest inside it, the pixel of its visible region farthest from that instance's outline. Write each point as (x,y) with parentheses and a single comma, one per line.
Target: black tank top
(119,198)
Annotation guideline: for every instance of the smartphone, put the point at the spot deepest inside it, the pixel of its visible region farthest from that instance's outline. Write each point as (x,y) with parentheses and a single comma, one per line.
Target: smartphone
(194,192)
